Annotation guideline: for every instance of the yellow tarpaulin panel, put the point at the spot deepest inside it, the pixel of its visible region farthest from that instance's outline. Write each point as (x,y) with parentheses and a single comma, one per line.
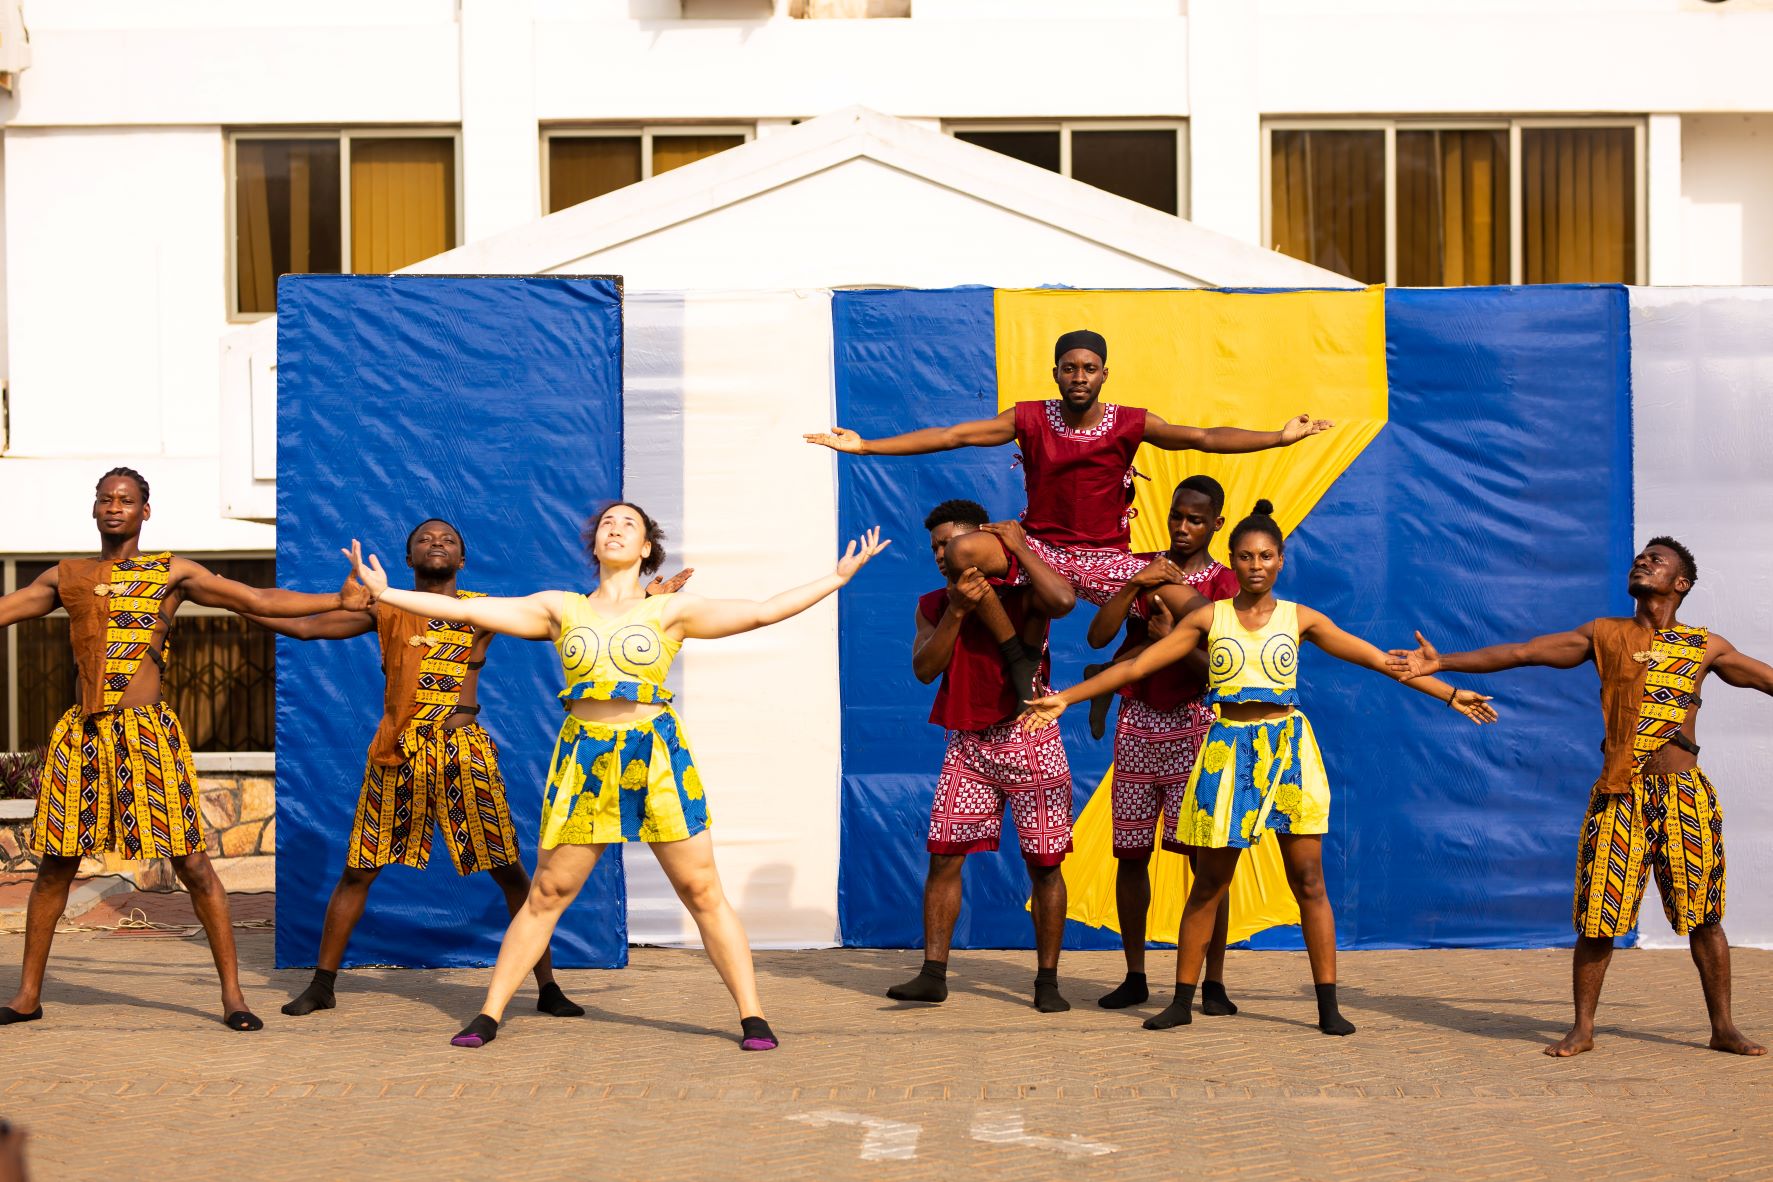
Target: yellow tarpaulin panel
(1208,359)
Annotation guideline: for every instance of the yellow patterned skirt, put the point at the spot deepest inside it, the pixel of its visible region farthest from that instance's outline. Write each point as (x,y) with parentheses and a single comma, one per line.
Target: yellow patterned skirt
(121,779)
(633,782)
(1669,825)
(1254,778)
(450,777)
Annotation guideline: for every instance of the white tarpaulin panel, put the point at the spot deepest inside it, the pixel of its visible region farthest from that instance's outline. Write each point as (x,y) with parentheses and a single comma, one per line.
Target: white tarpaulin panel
(1702,393)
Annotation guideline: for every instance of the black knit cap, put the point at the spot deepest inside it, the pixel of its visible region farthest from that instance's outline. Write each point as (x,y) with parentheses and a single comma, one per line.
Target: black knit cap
(1083,338)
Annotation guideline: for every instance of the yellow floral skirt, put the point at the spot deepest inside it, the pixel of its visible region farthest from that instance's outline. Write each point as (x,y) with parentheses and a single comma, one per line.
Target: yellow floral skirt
(634,782)
(1254,778)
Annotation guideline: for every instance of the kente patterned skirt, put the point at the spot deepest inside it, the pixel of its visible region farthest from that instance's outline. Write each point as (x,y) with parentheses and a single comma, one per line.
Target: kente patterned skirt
(1254,778)
(632,782)
(119,780)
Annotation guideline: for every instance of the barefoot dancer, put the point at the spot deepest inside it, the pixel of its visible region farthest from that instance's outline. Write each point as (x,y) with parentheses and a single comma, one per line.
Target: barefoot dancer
(1157,738)
(622,769)
(1652,809)
(430,764)
(1260,771)
(119,773)
(990,761)
(1077,461)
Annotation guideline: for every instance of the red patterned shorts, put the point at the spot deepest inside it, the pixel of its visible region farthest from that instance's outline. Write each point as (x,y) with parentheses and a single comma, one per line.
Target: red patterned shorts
(1095,574)
(1154,753)
(981,771)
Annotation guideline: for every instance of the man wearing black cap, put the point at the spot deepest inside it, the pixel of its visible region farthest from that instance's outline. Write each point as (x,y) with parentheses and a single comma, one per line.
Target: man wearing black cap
(1077,457)
(431,762)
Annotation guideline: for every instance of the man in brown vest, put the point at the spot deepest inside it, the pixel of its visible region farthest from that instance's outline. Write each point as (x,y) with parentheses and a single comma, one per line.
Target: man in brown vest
(118,773)
(1652,809)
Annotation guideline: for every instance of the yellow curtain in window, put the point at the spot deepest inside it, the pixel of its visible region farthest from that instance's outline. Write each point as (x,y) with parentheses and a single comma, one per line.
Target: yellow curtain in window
(255,274)
(403,201)
(1327,200)
(1452,207)
(583,167)
(1579,205)
(675,151)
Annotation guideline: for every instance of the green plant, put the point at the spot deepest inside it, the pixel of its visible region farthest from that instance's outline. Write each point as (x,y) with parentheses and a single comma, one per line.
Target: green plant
(19,772)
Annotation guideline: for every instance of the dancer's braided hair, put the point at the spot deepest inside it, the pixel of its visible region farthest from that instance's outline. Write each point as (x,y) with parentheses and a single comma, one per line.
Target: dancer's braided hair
(141,481)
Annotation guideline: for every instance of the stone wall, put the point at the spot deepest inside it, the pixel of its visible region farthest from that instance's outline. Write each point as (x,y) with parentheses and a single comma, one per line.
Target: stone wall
(239,820)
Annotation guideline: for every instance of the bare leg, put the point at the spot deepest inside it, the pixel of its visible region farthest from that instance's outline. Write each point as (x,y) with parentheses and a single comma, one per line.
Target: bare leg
(349,898)
(210,900)
(941,908)
(1303,856)
(1588,969)
(1711,952)
(1212,882)
(560,875)
(49,899)
(513,882)
(1214,1000)
(1132,900)
(689,864)
(1048,907)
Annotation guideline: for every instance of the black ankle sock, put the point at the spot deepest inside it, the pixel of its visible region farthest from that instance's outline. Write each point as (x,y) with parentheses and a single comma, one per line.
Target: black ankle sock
(243,1020)
(930,984)
(8,1015)
(1099,704)
(1046,992)
(552,1001)
(1023,667)
(1131,992)
(317,996)
(1329,1016)
(477,1033)
(1214,999)
(1178,1013)
(755,1035)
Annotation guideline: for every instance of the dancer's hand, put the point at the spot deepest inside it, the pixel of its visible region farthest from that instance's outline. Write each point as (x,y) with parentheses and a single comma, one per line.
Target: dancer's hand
(1009,532)
(1161,619)
(368,570)
(1298,428)
(837,439)
(1158,571)
(672,585)
(968,591)
(354,596)
(1474,706)
(856,556)
(1041,713)
(1422,661)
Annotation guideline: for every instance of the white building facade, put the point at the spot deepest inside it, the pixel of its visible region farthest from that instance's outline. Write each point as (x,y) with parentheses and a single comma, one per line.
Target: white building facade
(161,161)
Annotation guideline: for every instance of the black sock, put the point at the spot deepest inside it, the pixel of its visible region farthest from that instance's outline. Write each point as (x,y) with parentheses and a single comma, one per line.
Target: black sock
(477,1033)
(1023,667)
(1046,992)
(1099,704)
(8,1015)
(553,1001)
(317,996)
(243,1020)
(1131,992)
(930,984)
(1329,1017)
(755,1035)
(1178,1013)
(1214,999)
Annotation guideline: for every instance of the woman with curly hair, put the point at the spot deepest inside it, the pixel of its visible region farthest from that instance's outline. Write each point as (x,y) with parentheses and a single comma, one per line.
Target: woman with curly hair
(1259,770)
(622,769)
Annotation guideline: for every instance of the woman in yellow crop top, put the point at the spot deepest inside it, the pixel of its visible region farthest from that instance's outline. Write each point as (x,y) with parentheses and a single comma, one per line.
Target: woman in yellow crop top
(1259,770)
(622,769)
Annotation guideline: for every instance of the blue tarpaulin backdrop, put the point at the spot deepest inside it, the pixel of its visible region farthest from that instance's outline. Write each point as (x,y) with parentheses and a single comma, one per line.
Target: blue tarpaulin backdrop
(496,403)
(1495,505)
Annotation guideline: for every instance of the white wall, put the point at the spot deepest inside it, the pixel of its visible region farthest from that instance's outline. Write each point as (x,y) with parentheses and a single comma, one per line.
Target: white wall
(1726,222)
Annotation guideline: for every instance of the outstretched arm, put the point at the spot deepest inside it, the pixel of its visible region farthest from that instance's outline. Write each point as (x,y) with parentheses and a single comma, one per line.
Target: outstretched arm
(1739,669)
(530,617)
(977,433)
(1154,656)
(199,585)
(1229,440)
(1050,591)
(37,598)
(1557,650)
(1323,632)
(325,626)
(709,619)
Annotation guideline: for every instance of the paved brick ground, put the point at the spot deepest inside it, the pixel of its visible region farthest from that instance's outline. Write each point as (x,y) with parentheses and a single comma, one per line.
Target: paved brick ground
(130,1076)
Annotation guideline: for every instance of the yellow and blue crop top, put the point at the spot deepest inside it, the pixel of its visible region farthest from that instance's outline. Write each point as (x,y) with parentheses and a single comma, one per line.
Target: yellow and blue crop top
(1245,666)
(617,658)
